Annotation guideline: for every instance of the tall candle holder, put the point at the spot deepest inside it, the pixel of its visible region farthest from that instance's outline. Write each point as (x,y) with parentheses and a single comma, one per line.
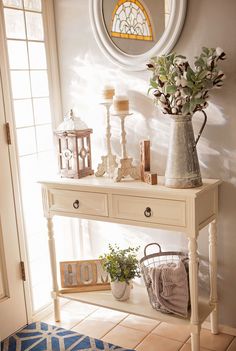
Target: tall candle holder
(126,167)
(108,164)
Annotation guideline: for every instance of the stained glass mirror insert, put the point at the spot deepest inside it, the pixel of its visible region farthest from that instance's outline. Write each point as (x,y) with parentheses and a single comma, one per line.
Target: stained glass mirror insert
(131,21)
(135,26)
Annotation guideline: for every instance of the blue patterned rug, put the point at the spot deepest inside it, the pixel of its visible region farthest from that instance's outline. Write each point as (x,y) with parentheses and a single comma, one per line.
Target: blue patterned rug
(44,337)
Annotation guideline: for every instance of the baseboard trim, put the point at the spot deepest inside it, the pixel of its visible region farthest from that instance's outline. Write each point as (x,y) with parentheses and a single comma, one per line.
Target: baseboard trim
(222,328)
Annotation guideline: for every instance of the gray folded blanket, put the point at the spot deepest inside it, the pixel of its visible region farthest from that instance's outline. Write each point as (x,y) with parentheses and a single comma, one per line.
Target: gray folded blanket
(168,285)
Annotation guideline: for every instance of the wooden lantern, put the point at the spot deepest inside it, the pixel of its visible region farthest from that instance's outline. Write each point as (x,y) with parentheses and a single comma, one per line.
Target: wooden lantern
(74,152)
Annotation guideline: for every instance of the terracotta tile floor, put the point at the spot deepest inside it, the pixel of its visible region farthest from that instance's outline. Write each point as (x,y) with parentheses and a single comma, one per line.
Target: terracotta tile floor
(141,334)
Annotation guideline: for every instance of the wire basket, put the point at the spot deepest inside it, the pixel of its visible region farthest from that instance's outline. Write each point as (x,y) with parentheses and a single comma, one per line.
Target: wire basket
(159,259)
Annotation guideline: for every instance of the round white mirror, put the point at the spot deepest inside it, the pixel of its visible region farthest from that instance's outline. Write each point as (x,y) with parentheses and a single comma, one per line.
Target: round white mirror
(130,32)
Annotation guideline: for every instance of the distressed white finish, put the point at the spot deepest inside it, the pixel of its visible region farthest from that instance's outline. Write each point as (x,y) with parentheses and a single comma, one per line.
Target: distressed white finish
(193,286)
(171,209)
(126,167)
(213,275)
(137,62)
(109,163)
(52,250)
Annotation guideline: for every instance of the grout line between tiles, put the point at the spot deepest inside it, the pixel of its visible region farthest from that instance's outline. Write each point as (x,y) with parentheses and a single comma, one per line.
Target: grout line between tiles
(230,344)
(85,317)
(146,335)
(114,326)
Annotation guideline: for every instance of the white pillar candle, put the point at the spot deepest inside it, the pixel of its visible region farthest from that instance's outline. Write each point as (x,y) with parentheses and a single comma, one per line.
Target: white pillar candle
(107,93)
(120,104)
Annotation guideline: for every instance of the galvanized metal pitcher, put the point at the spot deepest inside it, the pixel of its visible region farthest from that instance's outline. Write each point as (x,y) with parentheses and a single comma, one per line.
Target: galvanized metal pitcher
(182,169)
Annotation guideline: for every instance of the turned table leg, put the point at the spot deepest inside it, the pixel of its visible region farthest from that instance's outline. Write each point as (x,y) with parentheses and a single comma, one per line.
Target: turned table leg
(193,285)
(52,252)
(213,276)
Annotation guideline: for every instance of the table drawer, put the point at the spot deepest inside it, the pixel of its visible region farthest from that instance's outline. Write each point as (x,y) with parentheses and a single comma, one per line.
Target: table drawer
(161,211)
(79,202)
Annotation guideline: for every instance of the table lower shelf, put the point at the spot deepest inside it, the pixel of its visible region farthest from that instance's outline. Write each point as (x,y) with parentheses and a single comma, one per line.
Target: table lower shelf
(138,304)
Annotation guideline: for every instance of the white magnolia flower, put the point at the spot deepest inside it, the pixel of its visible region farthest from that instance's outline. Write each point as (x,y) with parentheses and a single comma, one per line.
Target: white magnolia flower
(174,110)
(179,102)
(181,82)
(198,96)
(180,60)
(209,75)
(162,98)
(219,51)
(209,61)
(162,103)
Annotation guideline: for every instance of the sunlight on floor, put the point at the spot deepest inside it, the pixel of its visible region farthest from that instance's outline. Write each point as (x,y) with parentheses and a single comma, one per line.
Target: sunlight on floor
(139,333)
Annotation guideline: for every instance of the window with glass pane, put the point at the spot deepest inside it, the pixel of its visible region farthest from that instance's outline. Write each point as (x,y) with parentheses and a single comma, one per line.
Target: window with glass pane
(29,84)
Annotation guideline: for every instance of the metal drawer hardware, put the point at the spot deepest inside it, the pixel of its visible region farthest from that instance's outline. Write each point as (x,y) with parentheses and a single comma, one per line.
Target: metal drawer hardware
(148,212)
(76,204)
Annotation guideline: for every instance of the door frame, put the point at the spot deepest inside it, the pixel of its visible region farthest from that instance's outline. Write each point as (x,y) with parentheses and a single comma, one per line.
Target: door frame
(56,110)
(6,92)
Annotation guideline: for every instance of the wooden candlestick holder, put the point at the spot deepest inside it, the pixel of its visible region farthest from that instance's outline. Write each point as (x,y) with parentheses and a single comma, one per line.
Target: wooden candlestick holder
(109,163)
(126,167)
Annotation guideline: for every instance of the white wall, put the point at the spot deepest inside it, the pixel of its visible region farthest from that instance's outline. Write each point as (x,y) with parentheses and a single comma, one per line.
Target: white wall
(83,71)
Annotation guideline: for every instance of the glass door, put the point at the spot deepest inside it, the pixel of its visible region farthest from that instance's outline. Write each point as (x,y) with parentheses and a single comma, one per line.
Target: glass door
(25,46)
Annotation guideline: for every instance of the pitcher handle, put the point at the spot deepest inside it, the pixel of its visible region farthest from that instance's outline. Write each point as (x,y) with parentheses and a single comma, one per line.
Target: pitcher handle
(202,127)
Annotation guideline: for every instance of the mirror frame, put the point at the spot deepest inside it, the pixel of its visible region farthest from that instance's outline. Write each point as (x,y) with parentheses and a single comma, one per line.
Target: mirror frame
(137,62)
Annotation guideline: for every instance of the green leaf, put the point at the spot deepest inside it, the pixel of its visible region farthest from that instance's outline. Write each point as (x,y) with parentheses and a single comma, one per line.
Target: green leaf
(187,91)
(163,78)
(190,84)
(153,83)
(186,108)
(171,89)
(208,84)
(205,50)
(198,101)
(202,75)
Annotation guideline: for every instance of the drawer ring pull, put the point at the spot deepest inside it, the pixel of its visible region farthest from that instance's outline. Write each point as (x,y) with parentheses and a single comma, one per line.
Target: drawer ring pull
(148,212)
(76,204)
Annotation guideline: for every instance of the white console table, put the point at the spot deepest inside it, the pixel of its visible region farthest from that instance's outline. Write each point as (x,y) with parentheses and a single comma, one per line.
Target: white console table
(182,210)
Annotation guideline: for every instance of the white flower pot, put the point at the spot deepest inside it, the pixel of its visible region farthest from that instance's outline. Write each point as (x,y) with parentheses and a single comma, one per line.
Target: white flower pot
(121,290)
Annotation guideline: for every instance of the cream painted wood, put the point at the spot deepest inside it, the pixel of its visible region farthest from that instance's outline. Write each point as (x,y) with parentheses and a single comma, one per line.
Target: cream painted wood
(12,299)
(193,287)
(138,304)
(52,250)
(126,167)
(186,210)
(213,276)
(171,212)
(87,202)
(109,163)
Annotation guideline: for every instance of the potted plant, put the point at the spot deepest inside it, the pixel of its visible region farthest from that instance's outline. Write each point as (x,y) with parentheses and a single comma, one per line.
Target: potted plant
(181,90)
(122,266)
